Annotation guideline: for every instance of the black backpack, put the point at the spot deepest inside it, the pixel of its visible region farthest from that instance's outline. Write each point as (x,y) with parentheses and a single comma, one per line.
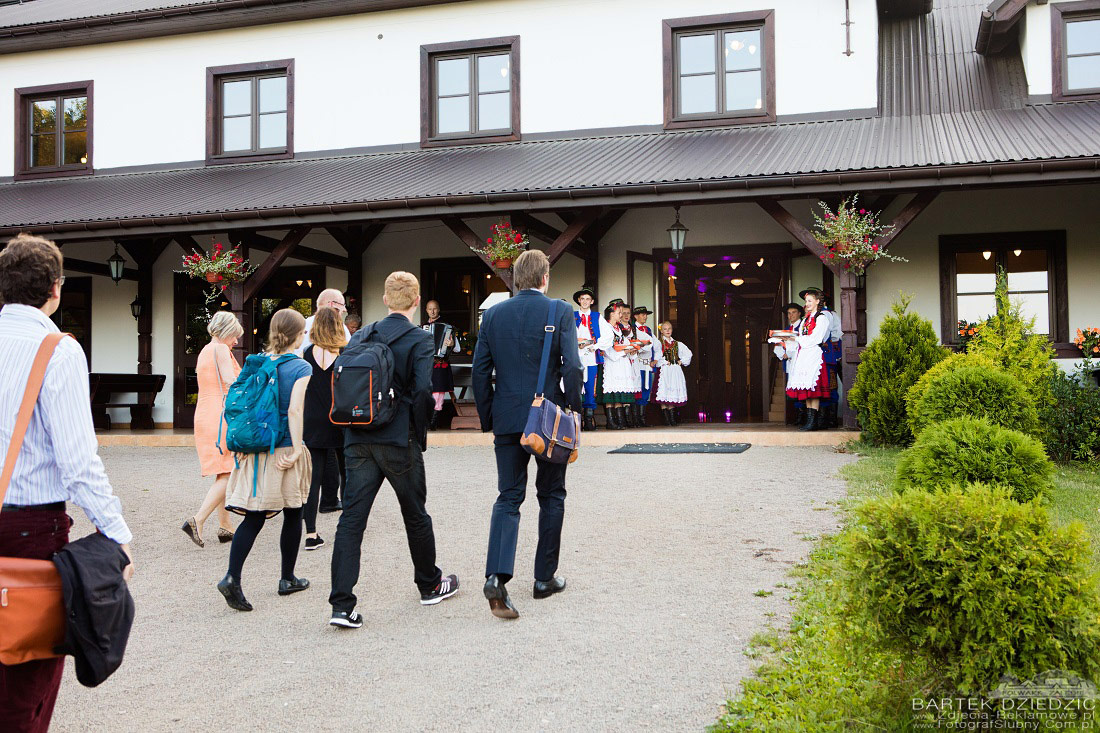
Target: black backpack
(363,394)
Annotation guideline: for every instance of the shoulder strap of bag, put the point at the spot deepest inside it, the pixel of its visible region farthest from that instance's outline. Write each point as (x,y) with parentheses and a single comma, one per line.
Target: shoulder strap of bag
(26,408)
(547,338)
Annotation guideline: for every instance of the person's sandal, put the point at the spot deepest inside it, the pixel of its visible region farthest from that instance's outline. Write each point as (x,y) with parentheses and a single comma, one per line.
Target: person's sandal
(191,529)
(224,535)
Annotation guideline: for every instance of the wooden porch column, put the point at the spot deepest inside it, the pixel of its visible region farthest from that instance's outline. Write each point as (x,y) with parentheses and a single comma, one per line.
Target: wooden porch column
(355,240)
(145,253)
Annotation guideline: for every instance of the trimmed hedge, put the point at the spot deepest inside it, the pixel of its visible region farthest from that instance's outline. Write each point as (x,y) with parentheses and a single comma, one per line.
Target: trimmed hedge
(967,450)
(904,350)
(937,370)
(1071,420)
(976,583)
(972,390)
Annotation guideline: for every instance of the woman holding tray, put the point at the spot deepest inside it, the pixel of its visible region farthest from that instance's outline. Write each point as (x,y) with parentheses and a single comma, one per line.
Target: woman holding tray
(617,379)
(808,376)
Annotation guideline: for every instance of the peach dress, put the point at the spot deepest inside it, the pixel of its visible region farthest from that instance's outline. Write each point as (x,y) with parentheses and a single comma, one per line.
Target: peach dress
(208,411)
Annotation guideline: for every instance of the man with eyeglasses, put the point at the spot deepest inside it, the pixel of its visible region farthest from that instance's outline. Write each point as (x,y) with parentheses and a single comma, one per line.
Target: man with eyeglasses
(331,298)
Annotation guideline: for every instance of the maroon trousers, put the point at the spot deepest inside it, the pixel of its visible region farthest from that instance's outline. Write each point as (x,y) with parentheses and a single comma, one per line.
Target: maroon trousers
(28,691)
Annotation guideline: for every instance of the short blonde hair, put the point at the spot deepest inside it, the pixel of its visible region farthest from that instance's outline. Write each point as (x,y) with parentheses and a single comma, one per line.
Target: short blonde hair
(402,290)
(530,268)
(286,326)
(327,330)
(224,326)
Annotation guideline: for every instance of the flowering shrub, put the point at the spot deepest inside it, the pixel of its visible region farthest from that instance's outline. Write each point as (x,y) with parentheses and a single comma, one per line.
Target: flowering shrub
(849,236)
(967,331)
(504,243)
(1088,341)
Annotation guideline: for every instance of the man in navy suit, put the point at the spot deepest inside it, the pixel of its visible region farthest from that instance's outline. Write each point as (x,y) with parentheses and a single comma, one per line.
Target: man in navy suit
(510,341)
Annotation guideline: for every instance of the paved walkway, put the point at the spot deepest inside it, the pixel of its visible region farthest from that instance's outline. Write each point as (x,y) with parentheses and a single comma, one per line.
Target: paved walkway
(662,553)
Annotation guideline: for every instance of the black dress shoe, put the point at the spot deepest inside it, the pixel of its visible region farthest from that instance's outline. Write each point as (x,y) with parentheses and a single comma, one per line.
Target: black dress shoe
(499,602)
(547,588)
(230,587)
(286,587)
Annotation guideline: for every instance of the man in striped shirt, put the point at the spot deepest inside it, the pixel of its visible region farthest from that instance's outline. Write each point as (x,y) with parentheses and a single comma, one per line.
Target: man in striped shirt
(58,462)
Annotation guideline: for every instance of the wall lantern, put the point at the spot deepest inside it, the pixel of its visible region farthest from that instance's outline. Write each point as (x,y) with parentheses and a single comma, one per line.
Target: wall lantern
(677,234)
(116,265)
(136,307)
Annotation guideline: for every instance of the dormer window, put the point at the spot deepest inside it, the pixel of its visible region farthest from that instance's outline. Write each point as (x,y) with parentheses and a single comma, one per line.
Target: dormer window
(1075,29)
(470,91)
(719,69)
(250,112)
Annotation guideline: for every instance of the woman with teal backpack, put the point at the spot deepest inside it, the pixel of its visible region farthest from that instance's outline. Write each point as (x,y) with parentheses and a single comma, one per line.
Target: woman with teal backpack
(263,414)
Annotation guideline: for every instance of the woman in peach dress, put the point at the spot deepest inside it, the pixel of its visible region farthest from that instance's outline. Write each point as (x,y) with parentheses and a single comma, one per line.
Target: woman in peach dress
(216,369)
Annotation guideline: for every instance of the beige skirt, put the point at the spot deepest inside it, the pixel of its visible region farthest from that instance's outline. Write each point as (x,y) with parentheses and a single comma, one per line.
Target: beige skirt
(257,485)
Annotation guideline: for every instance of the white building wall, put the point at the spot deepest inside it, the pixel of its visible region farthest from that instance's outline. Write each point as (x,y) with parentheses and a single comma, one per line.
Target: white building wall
(1036,49)
(584,65)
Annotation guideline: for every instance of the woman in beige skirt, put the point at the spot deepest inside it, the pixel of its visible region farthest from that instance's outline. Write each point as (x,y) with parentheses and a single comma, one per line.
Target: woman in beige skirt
(263,484)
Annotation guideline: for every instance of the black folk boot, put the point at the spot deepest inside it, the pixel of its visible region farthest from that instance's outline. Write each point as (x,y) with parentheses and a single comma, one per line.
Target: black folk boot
(675,415)
(639,416)
(620,415)
(589,421)
(612,418)
(667,415)
(627,416)
(812,417)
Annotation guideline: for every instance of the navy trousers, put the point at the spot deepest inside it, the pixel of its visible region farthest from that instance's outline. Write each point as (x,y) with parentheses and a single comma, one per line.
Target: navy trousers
(590,386)
(512,461)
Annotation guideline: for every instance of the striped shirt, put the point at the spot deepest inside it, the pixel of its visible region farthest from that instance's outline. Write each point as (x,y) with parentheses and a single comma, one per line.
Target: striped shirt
(58,461)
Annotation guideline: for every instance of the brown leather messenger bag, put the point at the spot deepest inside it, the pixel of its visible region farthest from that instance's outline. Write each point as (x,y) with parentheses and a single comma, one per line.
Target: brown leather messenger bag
(32,606)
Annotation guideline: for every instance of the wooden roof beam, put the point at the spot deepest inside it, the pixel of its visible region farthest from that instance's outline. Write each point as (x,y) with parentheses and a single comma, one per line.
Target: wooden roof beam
(471,240)
(267,268)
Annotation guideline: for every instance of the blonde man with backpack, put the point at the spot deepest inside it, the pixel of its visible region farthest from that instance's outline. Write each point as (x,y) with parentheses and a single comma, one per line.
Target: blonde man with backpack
(264,424)
(386,444)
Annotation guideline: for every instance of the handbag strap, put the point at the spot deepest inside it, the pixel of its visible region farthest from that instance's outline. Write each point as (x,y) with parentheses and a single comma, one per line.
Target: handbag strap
(26,408)
(546,341)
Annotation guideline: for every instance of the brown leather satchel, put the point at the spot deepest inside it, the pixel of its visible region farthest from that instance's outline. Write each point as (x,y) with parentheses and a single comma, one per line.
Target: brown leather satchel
(32,605)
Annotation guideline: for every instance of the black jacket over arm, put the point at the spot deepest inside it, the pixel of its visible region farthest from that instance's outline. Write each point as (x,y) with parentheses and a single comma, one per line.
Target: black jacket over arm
(412,379)
(510,341)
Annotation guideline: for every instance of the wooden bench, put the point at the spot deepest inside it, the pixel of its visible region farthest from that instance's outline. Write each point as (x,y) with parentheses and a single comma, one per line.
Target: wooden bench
(105,387)
(466,417)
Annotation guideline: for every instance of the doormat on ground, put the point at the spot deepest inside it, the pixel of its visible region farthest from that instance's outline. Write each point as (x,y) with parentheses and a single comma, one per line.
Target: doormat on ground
(683,448)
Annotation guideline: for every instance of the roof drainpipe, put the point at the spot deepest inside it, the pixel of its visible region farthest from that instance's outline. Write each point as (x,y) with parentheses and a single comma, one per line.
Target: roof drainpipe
(985,31)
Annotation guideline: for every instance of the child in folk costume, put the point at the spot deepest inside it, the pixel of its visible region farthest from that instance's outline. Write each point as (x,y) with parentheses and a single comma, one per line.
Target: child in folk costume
(444,342)
(670,385)
(588,335)
(808,376)
(643,363)
(617,383)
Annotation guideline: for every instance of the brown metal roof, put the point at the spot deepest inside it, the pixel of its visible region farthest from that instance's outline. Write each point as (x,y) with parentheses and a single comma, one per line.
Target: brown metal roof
(928,64)
(44,24)
(873,151)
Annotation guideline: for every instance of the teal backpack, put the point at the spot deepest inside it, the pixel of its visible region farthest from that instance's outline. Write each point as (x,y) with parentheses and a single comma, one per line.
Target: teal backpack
(254,423)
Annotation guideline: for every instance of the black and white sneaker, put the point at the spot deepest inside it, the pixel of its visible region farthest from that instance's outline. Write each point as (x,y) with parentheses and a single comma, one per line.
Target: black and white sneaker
(346,619)
(313,543)
(446,588)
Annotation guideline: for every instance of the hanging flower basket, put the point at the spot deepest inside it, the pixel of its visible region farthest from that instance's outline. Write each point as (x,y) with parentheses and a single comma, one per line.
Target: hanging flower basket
(220,267)
(504,245)
(850,236)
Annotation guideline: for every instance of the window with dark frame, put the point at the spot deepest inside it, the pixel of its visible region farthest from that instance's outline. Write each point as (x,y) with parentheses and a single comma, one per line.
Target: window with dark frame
(719,69)
(53,130)
(1075,35)
(470,91)
(1035,264)
(250,113)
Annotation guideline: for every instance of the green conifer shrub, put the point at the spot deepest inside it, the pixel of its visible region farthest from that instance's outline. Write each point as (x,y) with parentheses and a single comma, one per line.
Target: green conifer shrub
(976,583)
(971,390)
(1071,419)
(966,450)
(904,350)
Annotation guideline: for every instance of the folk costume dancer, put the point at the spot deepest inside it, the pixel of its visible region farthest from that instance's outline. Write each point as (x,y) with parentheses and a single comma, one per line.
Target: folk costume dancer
(808,378)
(616,380)
(833,351)
(670,387)
(785,351)
(443,381)
(644,362)
(588,335)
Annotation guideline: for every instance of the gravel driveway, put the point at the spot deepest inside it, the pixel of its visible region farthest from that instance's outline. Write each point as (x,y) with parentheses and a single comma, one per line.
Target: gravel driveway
(662,554)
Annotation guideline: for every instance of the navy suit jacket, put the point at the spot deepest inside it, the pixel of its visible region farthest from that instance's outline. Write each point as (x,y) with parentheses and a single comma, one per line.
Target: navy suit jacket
(510,341)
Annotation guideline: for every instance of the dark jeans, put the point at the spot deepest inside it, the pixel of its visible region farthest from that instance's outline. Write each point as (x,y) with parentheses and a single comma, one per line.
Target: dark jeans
(328,472)
(512,462)
(28,691)
(368,465)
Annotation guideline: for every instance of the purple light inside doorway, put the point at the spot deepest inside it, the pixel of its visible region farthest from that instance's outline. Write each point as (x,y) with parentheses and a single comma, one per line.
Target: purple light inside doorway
(729,416)
(702,416)
(672,269)
(702,287)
